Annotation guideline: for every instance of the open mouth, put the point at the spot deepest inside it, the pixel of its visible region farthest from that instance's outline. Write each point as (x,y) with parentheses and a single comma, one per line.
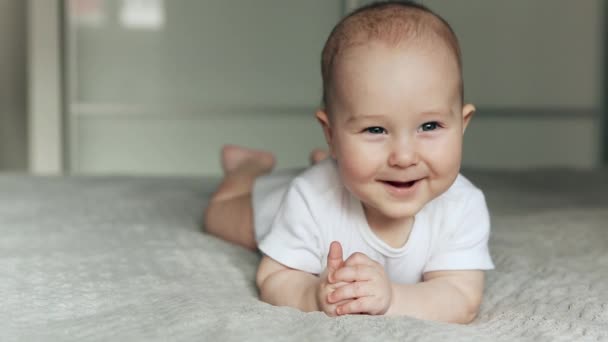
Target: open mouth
(401,185)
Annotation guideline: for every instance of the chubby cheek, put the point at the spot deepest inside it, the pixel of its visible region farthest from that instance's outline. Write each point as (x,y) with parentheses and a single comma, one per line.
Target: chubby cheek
(444,160)
(358,161)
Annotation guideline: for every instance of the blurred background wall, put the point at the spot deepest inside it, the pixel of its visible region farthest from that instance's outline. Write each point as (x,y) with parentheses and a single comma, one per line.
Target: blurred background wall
(535,71)
(156,87)
(13,116)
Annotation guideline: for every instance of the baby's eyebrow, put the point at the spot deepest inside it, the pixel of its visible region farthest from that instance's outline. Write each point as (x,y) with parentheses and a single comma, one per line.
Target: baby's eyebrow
(354,118)
(443,112)
(361,117)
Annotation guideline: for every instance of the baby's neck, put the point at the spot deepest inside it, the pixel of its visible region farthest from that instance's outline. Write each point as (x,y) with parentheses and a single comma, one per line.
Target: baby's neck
(394,233)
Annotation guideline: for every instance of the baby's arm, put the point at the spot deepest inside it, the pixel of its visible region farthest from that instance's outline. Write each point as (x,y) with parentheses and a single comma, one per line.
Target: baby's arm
(284,286)
(449,296)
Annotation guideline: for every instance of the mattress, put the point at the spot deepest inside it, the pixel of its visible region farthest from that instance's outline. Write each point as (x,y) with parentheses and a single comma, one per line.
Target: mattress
(124,258)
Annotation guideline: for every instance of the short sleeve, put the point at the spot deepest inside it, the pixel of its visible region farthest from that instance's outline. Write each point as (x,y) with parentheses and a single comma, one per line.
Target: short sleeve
(464,245)
(294,239)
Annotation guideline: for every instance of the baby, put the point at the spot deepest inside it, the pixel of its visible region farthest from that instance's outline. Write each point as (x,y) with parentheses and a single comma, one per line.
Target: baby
(383,223)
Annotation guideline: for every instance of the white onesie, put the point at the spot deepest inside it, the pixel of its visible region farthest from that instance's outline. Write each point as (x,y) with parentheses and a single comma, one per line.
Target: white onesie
(297,217)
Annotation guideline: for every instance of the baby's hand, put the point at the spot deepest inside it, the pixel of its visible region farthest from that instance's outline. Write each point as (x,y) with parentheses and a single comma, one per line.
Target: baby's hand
(369,289)
(327,283)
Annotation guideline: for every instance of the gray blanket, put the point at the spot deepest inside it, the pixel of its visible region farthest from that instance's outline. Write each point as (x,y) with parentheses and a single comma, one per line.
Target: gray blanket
(123,258)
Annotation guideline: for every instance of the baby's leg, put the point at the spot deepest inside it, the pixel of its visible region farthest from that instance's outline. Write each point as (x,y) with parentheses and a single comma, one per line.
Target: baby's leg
(229,214)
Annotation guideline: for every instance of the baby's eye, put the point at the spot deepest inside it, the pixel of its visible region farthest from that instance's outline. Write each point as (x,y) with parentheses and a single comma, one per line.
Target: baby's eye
(375,130)
(429,126)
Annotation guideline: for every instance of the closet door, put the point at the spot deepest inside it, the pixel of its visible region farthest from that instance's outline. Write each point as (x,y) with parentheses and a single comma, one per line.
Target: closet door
(156,87)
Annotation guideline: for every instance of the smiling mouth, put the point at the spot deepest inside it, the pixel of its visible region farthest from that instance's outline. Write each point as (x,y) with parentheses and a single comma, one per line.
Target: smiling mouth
(402,185)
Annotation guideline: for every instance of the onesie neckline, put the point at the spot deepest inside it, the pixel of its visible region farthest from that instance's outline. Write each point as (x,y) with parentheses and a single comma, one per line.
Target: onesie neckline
(378,244)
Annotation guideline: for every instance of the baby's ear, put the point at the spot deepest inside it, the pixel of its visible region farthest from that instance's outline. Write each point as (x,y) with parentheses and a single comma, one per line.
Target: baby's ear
(468,110)
(323,119)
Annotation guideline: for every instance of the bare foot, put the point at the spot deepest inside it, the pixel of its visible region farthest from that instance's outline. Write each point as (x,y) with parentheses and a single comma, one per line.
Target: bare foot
(235,157)
(317,155)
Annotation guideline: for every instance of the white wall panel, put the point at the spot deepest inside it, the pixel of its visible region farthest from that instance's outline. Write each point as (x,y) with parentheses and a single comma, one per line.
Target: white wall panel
(521,53)
(190,145)
(164,99)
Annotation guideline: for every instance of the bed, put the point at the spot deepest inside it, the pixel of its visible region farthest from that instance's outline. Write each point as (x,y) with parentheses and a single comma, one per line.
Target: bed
(123,258)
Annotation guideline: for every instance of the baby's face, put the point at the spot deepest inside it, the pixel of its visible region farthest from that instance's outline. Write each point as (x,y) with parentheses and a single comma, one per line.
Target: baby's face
(397,126)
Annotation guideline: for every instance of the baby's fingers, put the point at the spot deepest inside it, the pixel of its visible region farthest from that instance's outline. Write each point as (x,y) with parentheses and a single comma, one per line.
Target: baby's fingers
(351,291)
(359,259)
(338,285)
(354,273)
(362,305)
(334,307)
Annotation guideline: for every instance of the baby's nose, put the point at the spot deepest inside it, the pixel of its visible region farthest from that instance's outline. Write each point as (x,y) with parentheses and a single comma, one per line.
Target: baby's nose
(403,155)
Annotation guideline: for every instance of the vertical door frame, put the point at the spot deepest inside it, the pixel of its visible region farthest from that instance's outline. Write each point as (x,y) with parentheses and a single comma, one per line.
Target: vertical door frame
(46,151)
(603,141)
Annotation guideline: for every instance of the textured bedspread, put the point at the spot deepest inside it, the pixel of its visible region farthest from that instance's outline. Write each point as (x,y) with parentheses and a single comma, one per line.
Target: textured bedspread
(120,258)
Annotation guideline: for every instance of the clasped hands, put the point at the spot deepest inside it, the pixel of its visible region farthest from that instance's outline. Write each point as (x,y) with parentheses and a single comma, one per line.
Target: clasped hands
(357,285)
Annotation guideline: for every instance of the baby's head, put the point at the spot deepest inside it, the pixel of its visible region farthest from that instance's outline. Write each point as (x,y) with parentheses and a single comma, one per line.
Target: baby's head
(393,111)
(393,23)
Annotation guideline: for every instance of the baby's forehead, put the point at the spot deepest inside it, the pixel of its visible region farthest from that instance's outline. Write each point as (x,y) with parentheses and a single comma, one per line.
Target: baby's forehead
(377,64)
(377,76)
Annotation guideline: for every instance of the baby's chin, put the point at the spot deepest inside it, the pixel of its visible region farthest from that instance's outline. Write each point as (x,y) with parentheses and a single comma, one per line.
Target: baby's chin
(401,212)
(396,211)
